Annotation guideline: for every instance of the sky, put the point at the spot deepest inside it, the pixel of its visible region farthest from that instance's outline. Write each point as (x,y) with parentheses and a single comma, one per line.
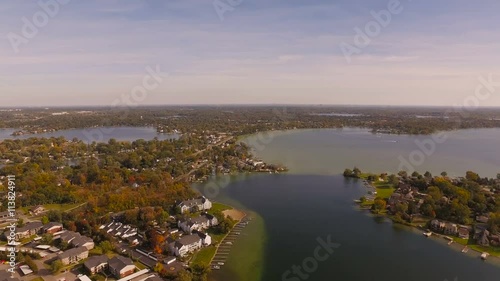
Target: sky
(101,52)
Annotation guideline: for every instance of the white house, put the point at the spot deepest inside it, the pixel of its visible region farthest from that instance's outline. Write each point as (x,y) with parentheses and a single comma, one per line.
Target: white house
(186,244)
(199,204)
(199,223)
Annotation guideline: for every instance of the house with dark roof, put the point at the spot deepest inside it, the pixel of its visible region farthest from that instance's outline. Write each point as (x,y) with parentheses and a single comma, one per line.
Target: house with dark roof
(202,222)
(194,205)
(75,239)
(96,264)
(121,266)
(73,255)
(186,244)
(52,227)
(28,230)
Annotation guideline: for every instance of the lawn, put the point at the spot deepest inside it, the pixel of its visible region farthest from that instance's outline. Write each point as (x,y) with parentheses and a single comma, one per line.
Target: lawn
(494,251)
(218,207)
(57,207)
(384,191)
(204,256)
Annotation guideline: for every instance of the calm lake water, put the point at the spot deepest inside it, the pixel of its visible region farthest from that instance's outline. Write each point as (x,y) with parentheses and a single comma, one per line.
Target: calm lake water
(294,210)
(103,134)
(329,152)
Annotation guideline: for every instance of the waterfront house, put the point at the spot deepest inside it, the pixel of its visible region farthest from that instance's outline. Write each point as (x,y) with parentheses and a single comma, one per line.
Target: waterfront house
(483,238)
(193,205)
(450,228)
(121,266)
(463,232)
(206,240)
(96,264)
(52,227)
(73,255)
(199,223)
(186,244)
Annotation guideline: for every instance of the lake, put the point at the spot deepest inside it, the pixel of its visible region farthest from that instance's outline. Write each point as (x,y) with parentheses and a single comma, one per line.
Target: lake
(102,134)
(293,212)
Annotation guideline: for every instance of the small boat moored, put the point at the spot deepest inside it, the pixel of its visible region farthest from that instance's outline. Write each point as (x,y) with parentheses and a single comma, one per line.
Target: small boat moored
(484,256)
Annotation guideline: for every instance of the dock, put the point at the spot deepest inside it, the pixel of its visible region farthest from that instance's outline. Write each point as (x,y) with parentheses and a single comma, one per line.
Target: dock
(224,248)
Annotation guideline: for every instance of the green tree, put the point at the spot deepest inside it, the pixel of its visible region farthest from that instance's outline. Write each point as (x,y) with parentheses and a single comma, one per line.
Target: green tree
(45,220)
(29,262)
(56,266)
(379,205)
(46,239)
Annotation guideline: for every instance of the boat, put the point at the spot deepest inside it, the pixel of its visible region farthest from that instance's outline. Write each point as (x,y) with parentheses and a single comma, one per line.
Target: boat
(465,250)
(484,256)
(215,267)
(427,234)
(220,263)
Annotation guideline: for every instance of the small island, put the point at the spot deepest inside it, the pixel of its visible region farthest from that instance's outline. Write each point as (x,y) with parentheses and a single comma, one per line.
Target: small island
(463,210)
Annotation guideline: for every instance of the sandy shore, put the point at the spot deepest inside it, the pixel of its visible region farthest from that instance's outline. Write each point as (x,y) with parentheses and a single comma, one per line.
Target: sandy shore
(234,214)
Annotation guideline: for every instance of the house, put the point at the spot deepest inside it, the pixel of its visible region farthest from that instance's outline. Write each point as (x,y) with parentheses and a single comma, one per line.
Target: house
(185,245)
(121,266)
(482,219)
(37,210)
(5,215)
(73,255)
(437,225)
(463,232)
(199,223)
(206,240)
(52,227)
(75,239)
(483,238)
(194,205)
(28,230)
(96,264)
(450,228)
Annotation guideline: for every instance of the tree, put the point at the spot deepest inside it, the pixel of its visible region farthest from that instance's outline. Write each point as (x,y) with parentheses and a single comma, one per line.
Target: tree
(29,262)
(184,275)
(356,172)
(47,239)
(347,173)
(379,205)
(45,220)
(56,266)
(106,246)
(471,176)
(444,174)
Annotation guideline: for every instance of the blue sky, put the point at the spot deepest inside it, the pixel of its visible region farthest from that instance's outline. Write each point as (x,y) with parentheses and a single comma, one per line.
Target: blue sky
(263,51)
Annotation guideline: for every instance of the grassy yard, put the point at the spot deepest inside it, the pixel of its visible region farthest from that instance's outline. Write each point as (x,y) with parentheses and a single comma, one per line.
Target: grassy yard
(204,256)
(494,251)
(384,190)
(218,207)
(57,207)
